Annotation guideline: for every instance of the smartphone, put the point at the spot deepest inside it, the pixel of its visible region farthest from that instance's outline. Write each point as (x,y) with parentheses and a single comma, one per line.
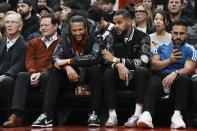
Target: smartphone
(130,76)
(178,47)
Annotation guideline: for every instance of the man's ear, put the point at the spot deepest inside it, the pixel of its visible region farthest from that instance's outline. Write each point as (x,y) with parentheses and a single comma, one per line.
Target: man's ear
(102,18)
(130,21)
(30,8)
(56,25)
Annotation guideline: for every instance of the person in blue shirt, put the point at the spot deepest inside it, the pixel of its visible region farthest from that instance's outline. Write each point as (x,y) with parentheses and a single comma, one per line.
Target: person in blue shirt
(172,64)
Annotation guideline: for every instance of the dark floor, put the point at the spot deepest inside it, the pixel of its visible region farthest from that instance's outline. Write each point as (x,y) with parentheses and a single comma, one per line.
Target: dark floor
(85,128)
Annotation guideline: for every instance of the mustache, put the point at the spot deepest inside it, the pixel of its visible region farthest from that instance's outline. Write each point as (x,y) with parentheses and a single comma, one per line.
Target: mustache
(178,39)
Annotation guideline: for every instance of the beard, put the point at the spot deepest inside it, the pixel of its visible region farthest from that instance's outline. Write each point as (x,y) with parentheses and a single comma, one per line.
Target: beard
(122,33)
(24,14)
(178,41)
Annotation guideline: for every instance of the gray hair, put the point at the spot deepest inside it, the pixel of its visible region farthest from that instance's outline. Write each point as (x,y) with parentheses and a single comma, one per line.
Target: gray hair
(20,20)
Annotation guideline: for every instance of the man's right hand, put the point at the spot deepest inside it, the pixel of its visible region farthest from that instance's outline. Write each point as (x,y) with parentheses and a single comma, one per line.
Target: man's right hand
(71,73)
(34,79)
(175,56)
(60,63)
(123,71)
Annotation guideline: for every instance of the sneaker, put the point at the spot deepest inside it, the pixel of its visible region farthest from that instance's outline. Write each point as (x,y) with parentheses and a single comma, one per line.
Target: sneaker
(132,121)
(42,122)
(93,119)
(145,120)
(177,122)
(112,121)
(13,121)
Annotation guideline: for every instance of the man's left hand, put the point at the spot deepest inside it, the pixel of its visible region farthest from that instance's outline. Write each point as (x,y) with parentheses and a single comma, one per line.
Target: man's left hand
(107,56)
(123,72)
(169,79)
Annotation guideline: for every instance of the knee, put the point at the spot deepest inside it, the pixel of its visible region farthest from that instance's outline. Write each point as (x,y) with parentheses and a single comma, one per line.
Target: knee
(194,79)
(95,71)
(8,82)
(142,71)
(44,75)
(109,73)
(23,75)
(183,78)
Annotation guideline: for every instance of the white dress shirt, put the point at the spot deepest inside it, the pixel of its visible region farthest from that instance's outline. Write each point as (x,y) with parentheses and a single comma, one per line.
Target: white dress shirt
(50,41)
(10,43)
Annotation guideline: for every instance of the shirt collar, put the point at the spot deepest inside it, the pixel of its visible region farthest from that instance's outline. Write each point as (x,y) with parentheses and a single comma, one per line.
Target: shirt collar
(12,41)
(53,38)
(131,36)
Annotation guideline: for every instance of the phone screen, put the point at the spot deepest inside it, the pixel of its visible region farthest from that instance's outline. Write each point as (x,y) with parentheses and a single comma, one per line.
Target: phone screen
(178,47)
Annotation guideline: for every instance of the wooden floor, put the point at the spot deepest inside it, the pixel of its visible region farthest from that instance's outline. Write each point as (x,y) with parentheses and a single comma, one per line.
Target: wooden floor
(85,128)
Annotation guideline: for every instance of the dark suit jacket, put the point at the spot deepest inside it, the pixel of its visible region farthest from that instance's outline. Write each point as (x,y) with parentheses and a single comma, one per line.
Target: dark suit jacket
(18,56)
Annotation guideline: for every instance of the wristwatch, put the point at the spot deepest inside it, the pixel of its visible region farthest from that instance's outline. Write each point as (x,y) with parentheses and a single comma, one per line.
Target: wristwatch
(177,72)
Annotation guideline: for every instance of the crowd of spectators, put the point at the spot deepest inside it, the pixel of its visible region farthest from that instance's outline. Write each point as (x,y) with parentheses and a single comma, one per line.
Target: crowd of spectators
(51,44)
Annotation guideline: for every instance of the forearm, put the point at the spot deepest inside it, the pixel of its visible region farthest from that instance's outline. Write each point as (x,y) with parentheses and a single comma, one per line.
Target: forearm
(159,65)
(186,71)
(86,60)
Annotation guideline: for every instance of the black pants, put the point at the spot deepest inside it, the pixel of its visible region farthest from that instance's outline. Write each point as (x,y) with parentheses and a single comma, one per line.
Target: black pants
(112,83)
(97,88)
(58,83)
(194,92)
(7,85)
(179,90)
(22,86)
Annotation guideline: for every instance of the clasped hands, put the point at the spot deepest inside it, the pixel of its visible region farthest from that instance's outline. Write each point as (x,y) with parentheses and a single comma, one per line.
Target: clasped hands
(34,79)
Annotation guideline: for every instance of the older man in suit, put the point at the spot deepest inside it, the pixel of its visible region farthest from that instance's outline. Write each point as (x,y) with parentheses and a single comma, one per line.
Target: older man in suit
(12,54)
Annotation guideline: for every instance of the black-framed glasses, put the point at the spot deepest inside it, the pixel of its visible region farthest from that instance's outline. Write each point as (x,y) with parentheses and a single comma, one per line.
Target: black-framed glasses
(140,11)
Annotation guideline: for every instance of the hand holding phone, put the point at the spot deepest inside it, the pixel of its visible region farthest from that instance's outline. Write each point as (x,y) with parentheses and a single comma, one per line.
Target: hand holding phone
(178,53)
(178,47)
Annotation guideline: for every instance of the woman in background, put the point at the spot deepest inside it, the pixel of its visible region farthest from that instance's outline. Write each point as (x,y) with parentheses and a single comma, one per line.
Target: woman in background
(143,18)
(161,35)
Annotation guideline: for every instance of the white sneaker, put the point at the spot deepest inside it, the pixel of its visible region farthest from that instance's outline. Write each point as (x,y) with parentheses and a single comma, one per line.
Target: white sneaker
(132,121)
(112,121)
(177,122)
(145,120)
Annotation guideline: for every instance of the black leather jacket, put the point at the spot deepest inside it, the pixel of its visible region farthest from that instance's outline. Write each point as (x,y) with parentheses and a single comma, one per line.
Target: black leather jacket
(92,48)
(135,51)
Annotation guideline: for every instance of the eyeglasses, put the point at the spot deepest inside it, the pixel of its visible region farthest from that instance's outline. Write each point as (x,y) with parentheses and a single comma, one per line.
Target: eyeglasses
(140,11)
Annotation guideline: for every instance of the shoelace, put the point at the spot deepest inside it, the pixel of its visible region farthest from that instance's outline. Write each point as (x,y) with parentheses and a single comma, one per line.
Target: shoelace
(41,117)
(92,116)
(133,117)
(112,119)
